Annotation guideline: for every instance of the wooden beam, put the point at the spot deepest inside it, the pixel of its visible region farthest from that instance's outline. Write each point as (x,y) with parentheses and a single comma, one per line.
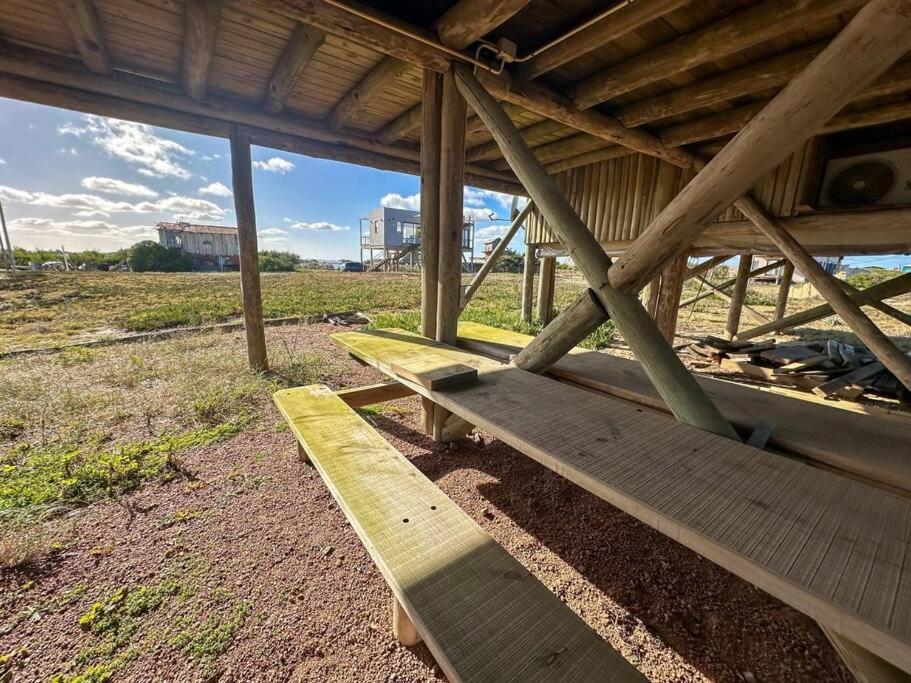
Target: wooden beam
(528,282)
(468,20)
(81,19)
(736,32)
(681,392)
(304,43)
(495,255)
(559,337)
(533,135)
(400,126)
(200,31)
(357,397)
(741,283)
(546,283)
(375,82)
(545,102)
(242,182)
(561,149)
(587,158)
(877,36)
(626,19)
(887,353)
(369,28)
(755,77)
(784,289)
(452,171)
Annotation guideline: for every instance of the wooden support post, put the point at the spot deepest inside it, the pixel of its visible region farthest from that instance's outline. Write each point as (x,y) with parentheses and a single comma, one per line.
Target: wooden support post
(679,389)
(557,339)
(877,36)
(200,30)
(302,455)
(528,282)
(402,627)
(672,279)
(738,296)
(495,255)
(242,180)
(884,290)
(546,283)
(887,353)
(784,289)
(431,110)
(452,172)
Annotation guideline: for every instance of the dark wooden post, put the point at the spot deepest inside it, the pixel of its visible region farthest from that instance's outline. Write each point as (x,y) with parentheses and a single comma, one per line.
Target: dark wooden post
(430,216)
(528,282)
(242,179)
(784,289)
(672,278)
(547,281)
(738,296)
(452,178)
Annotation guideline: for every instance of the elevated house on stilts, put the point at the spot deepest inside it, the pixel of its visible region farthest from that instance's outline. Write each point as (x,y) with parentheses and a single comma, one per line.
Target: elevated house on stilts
(643,133)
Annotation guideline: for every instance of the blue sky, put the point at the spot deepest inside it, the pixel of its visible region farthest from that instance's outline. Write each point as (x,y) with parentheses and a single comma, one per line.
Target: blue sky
(88,182)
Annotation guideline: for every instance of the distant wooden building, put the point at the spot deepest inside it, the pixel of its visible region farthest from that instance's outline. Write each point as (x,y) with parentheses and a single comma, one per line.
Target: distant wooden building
(490,245)
(210,247)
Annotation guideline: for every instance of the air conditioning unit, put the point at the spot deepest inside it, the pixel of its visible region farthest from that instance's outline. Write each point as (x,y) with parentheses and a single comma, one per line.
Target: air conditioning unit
(878,179)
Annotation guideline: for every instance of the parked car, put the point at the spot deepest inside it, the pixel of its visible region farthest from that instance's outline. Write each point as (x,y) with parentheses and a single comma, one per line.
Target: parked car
(353,267)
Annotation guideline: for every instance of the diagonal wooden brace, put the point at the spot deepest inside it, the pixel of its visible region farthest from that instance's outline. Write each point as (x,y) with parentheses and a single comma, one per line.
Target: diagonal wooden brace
(679,389)
(889,354)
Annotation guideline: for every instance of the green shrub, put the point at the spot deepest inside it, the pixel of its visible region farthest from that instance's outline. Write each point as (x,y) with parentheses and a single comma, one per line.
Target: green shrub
(149,256)
(277,261)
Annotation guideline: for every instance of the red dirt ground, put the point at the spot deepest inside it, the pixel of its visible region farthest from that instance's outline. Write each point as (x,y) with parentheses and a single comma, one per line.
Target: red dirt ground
(264,531)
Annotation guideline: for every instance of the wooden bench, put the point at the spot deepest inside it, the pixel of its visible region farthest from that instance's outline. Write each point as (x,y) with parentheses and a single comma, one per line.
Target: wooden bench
(480,612)
(834,548)
(867,445)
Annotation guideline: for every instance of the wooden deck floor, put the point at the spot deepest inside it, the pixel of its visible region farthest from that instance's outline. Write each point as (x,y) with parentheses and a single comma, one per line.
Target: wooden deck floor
(835,549)
(867,445)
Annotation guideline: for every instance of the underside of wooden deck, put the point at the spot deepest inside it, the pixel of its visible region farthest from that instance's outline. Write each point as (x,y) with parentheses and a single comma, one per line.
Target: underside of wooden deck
(831,547)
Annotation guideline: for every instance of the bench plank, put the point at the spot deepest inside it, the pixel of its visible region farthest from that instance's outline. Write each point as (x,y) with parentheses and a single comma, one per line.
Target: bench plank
(832,547)
(481,613)
(865,444)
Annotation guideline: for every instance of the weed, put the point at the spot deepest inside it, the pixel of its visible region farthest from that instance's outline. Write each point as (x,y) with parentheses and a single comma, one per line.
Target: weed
(76,355)
(209,639)
(23,546)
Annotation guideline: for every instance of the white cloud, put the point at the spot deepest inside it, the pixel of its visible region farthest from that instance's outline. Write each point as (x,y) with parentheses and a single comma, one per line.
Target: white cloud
(321,226)
(87,205)
(491,231)
(2,162)
(114,186)
(216,189)
(394,200)
(273,232)
(69,151)
(476,197)
(274,165)
(211,157)
(134,143)
(35,227)
(92,214)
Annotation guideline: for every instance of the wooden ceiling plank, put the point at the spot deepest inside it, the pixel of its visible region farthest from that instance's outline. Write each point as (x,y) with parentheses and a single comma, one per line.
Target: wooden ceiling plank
(200,31)
(81,19)
(608,29)
(751,26)
(532,135)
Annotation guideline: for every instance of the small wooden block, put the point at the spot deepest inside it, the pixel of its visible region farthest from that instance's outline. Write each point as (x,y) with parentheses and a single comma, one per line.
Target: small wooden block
(402,627)
(435,372)
(788,354)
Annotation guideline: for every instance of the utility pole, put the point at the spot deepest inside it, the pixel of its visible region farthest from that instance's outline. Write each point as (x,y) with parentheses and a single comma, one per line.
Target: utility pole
(10,258)
(66,261)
